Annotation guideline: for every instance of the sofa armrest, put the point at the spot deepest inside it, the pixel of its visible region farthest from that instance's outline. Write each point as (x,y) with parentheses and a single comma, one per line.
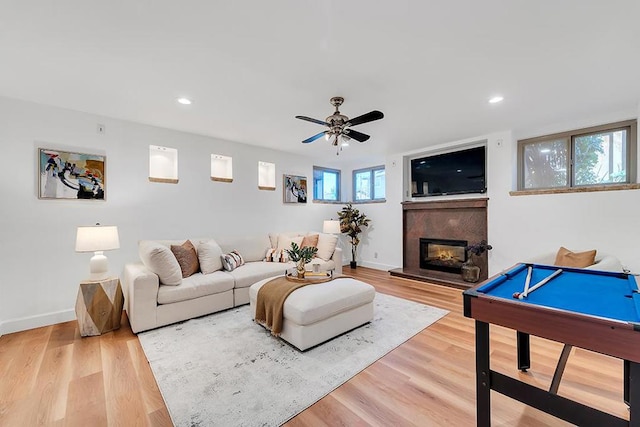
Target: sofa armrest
(337,259)
(141,296)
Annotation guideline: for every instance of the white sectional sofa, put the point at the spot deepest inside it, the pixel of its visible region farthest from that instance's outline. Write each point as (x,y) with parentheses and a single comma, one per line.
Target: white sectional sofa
(156,295)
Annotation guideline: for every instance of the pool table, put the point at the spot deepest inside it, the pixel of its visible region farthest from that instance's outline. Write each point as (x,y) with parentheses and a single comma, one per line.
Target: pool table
(594,310)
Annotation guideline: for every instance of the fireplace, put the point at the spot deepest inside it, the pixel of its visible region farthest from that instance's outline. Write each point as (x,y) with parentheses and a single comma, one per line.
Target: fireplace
(442,254)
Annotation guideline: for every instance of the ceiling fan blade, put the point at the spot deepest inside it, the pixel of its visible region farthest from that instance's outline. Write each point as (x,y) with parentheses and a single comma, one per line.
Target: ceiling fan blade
(314,137)
(365,118)
(358,136)
(309,119)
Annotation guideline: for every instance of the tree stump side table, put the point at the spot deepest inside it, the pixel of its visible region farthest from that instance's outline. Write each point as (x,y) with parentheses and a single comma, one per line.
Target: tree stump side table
(99,306)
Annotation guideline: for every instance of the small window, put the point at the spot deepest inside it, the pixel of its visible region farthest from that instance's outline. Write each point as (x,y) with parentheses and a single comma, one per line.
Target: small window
(369,184)
(326,184)
(602,155)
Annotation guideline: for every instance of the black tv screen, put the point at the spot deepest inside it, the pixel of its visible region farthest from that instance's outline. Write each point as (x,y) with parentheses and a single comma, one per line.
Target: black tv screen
(458,172)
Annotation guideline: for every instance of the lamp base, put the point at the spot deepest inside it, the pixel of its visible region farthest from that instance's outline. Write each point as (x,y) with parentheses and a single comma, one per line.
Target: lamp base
(98,267)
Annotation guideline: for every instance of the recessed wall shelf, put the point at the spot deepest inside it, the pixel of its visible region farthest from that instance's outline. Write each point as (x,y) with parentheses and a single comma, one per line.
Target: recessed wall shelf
(163,164)
(266,176)
(221,168)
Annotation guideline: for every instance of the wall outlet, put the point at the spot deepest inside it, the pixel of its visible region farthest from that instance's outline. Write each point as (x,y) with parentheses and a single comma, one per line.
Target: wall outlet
(375,255)
(101,129)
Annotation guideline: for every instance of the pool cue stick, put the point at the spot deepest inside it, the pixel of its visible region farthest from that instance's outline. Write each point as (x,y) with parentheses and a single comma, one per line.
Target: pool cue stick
(527,282)
(538,285)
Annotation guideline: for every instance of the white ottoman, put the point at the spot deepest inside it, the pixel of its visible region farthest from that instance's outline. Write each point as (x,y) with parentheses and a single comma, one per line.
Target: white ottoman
(316,313)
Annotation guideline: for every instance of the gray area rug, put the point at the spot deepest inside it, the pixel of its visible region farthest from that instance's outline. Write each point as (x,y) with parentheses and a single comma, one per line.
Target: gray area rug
(225,370)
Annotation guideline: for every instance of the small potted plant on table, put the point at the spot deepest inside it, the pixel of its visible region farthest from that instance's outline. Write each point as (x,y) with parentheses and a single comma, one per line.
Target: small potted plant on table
(301,256)
(351,223)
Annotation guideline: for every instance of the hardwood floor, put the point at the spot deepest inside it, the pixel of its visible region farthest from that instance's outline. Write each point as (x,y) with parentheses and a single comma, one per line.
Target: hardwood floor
(52,376)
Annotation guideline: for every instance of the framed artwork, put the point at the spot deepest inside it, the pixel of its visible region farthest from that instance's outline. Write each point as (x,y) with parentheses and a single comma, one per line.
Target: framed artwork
(295,189)
(69,175)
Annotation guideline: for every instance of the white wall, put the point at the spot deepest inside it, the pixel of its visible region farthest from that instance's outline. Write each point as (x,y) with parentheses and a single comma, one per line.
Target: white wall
(40,271)
(519,227)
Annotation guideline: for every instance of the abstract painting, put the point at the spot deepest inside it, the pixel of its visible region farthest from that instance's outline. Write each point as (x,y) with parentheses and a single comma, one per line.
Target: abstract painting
(295,189)
(69,175)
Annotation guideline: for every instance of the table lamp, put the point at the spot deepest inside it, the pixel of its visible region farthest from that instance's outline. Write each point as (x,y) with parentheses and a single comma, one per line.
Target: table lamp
(331,226)
(97,238)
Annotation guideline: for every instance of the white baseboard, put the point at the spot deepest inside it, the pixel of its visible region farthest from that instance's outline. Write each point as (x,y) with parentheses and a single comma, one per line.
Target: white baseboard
(30,322)
(376,265)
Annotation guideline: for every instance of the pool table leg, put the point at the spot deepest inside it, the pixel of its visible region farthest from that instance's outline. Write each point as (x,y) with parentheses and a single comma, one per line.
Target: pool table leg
(483,376)
(633,393)
(626,381)
(524,353)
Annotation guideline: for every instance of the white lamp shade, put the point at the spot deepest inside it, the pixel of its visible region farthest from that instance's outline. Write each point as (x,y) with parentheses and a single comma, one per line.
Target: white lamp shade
(331,227)
(97,238)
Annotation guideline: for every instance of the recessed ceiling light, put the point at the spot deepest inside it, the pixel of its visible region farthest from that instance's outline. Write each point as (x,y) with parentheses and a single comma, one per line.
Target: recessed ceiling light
(496,99)
(184,101)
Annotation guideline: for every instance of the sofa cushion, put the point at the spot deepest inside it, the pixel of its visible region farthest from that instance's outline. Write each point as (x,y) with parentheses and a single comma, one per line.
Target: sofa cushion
(209,253)
(322,265)
(566,258)
(312,304)
(195,286)
(187,258)
(284,241)
(251,248)
(273,237)
(252,272)
(326,246)
(232,260)
(160,260)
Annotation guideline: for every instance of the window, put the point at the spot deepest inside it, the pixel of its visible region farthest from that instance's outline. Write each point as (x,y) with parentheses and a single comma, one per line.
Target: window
(326,184)
(601,155)
(369,184)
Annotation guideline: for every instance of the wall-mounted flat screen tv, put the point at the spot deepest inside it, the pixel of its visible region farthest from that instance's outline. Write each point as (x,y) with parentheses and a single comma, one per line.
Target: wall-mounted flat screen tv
(458,172)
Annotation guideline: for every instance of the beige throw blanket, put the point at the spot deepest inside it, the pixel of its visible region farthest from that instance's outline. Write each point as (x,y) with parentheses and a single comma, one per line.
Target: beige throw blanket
(270,302)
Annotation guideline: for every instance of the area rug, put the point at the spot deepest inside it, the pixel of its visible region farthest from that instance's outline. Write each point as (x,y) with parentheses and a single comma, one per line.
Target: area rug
(225,370)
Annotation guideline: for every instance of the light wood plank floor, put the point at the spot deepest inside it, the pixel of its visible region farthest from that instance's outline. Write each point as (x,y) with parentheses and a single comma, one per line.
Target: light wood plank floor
(52,376)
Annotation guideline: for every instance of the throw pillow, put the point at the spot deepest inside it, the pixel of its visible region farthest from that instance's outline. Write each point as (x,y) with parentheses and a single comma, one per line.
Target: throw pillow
(274,255)
(566,258)
(209,253)
(311,241)
(326,246)
(187,258)
(284,242)
(160,260)
(232,260)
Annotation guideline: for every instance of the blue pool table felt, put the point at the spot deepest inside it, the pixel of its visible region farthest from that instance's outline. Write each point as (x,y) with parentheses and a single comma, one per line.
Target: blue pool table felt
(603,294)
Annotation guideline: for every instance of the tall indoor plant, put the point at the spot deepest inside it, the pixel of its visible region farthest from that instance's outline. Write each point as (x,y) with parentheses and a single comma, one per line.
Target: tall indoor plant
(351,223)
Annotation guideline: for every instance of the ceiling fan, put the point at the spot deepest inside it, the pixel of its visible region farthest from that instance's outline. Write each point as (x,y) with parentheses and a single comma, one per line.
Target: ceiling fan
(339,125)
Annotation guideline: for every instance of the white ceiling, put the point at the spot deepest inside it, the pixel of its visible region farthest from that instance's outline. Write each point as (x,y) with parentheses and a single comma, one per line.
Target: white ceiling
(251,66)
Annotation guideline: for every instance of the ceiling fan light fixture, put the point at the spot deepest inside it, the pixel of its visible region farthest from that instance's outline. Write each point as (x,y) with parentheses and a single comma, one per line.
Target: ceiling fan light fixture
(340,126)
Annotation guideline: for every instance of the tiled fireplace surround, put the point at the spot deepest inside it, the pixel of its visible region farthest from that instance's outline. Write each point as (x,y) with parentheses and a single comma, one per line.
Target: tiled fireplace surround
(455,219)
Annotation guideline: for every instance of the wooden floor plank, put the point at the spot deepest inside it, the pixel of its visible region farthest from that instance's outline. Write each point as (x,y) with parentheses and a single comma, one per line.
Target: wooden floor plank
(51,376)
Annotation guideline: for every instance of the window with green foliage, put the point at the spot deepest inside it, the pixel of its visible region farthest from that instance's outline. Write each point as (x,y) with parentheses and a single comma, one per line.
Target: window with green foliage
(369,184)
(326,184)
(601,155)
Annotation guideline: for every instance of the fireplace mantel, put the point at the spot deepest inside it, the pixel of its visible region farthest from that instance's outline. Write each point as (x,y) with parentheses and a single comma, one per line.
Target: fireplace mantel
(455,219)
